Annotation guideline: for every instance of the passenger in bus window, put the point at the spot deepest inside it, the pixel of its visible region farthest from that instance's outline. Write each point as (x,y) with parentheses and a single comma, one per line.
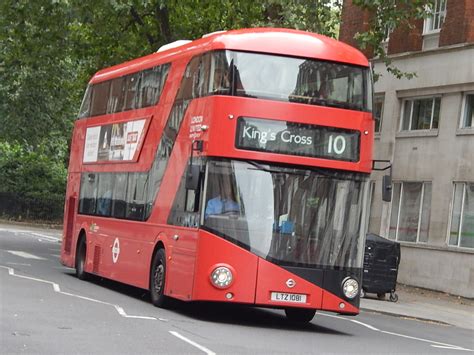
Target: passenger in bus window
(104,204)
(221,83)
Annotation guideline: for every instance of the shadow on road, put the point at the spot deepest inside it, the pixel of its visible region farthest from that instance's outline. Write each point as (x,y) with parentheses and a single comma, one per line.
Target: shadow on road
(236,314)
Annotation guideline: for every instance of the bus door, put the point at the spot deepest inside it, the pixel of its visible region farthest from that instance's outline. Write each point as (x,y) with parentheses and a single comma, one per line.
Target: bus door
(181,256)
(182,236)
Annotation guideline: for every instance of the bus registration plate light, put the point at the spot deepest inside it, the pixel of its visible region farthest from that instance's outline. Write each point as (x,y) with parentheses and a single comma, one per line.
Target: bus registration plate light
(288,297)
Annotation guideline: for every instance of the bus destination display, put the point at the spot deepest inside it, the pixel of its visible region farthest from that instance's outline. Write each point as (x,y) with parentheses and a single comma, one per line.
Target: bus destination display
(297,139)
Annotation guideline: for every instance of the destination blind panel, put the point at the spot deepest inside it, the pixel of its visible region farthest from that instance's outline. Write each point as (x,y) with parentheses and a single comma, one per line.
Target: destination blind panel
(300,139)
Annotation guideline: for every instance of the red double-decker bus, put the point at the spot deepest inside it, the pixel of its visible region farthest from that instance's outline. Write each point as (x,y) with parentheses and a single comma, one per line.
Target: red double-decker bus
(233,168)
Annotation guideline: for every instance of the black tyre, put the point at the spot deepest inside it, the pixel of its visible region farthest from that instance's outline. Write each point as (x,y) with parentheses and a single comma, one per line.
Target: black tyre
(381,296)
(300,315)
(393,297)
(81,253)
(157,280)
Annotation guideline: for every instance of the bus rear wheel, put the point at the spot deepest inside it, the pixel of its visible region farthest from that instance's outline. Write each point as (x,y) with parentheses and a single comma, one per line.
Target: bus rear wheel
(81,253)
(157,280)
(300,315)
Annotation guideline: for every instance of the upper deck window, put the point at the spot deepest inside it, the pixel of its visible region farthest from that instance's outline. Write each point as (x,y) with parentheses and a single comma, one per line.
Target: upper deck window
(274,77)
(128,92)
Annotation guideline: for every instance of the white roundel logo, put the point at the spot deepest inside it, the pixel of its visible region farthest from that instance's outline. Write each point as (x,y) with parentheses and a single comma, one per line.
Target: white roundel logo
(116,250)
(290,283)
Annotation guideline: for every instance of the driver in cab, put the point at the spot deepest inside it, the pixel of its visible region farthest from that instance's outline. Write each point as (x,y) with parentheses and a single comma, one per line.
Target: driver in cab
(224,201)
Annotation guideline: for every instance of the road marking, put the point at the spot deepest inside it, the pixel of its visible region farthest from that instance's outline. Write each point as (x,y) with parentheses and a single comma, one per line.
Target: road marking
(25,255)
(351,320)
(18,264)
(432,343)
(57,289)
(32,234)
(451,348)
(47,237)
(193,343)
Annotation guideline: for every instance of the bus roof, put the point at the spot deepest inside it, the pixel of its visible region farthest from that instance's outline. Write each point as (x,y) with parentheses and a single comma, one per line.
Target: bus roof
(263,40)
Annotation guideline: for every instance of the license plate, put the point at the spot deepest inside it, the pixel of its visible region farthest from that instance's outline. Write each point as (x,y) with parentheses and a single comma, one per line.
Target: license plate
(288,297)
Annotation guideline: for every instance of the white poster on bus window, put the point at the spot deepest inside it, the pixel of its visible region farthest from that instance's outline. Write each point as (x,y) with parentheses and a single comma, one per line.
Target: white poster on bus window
(113,142)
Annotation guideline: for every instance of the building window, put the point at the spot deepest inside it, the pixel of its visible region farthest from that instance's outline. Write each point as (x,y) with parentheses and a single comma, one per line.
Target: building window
(410,215)
(467,118)
(461,231)
(420,114)
(378,111)
(434,22)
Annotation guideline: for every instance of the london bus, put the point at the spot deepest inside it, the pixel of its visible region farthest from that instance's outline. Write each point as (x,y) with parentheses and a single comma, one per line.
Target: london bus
(233,168)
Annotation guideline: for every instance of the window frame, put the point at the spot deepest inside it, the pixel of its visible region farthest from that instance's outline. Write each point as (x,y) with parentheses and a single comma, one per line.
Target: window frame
(461,216)
(420,211)
(463,118)
(380,120)
(429,22)
(411,100)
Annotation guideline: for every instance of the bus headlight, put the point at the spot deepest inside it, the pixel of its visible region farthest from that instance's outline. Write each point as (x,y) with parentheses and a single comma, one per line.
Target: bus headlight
(221,277)
(350,288)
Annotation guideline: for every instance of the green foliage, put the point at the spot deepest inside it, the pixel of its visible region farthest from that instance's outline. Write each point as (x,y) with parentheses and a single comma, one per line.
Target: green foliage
(39,173)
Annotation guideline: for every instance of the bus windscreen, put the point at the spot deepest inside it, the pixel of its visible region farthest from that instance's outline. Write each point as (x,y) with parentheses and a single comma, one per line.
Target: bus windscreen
(290,216)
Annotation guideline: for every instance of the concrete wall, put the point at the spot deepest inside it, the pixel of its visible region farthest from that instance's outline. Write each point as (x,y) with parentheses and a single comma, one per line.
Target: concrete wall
(440,156)
(440,270)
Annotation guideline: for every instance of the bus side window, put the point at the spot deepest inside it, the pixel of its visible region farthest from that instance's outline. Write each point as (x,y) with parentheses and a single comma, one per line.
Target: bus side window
(88,194)
(190,82)
(104,194)
(100,98)
(132,90)
(117,95)
(201,83)
(136,196)
(152,85)
(185,210)
(119,203)
(220,74)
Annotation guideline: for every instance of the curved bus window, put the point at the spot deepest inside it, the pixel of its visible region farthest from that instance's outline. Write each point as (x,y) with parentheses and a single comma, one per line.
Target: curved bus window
(85,109)
(301,80)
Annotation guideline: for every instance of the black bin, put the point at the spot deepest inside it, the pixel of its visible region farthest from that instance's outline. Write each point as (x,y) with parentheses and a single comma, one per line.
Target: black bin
(381,260)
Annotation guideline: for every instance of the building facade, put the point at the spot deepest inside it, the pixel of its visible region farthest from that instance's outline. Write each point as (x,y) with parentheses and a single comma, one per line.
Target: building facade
(425,126)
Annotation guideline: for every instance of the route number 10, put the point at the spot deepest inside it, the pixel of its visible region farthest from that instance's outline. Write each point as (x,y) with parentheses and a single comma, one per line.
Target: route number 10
(336,144)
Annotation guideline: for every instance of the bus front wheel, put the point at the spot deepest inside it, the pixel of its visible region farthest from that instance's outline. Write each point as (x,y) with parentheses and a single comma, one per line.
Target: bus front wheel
(300,315)
(157,279)
(81,259)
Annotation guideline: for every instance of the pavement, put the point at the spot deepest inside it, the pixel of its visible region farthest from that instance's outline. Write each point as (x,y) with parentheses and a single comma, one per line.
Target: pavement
(425,305)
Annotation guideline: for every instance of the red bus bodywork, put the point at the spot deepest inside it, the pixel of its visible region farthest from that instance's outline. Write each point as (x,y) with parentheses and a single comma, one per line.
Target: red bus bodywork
(192,253)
